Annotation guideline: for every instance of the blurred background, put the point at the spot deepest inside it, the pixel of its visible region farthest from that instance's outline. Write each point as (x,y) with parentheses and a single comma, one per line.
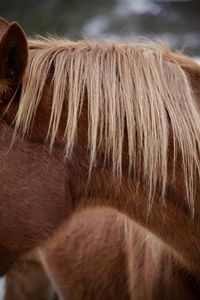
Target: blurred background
(176,22)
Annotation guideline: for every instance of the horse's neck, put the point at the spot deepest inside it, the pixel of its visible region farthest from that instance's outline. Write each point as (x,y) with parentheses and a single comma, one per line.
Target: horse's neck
(162,220)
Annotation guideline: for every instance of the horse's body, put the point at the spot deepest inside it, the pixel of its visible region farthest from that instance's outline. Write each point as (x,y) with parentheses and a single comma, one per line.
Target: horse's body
(99,254)
(105,256)
(126,117)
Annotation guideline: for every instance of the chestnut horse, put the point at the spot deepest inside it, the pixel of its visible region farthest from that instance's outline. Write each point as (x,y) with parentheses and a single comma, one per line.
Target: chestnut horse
(122,126)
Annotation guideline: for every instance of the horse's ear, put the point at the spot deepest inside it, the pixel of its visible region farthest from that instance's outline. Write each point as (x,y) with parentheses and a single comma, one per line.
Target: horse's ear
(13,53)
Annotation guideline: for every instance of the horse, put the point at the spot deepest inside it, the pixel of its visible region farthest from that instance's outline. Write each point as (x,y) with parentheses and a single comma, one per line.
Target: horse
(100,254)
(88,124)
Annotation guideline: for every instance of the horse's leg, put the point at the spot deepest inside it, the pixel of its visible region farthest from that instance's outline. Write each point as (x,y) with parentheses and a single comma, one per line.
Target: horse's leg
(28,282)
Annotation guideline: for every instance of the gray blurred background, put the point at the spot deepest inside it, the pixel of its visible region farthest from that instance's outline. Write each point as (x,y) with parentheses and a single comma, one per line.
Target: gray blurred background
(175,22)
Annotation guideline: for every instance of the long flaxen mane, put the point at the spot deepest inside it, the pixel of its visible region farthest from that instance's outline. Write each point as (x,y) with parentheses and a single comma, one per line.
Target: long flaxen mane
(137,89)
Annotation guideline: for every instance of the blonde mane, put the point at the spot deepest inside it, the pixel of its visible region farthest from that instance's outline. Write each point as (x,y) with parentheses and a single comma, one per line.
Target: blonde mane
(137,89)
